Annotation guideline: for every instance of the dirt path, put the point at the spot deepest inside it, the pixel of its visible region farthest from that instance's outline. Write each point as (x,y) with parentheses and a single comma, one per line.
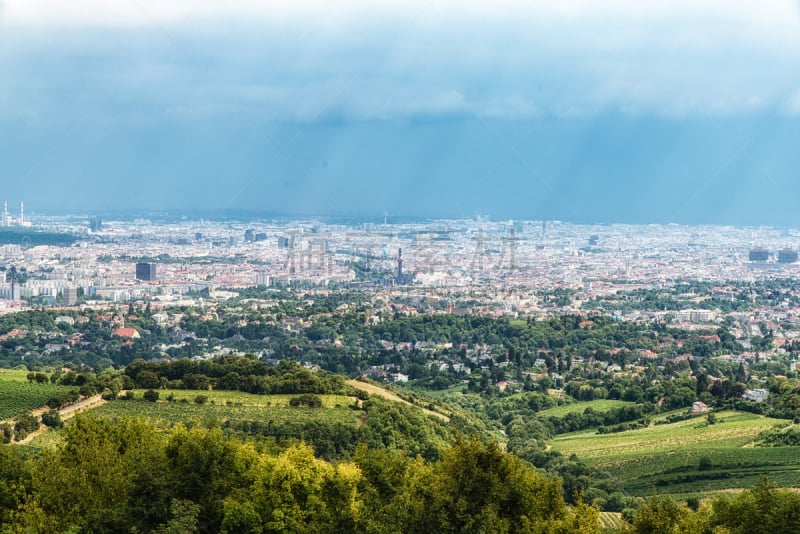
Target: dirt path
(66,413)
(375,390)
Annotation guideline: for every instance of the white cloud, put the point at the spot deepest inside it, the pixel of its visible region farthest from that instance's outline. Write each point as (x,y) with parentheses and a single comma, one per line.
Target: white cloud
(306,59)
(136,12)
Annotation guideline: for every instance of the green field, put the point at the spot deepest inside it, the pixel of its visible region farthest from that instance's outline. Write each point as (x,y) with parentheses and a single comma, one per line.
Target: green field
(230,406)
(602,405)
(18,396)
(444,393)
(666,458)
(247,399)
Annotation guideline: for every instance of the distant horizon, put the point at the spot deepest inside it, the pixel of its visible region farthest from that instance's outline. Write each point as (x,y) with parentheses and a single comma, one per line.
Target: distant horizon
(249,215)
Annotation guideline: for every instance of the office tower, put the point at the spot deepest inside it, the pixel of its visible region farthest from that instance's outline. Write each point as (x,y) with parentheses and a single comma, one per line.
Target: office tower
(146,271)
(759,254)
(69,296)
(787,255)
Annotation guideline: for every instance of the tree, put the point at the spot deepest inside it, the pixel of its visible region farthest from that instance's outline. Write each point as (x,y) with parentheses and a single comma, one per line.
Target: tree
(105,477)
(8,432)
(148,380)
(184,518)
(150,395)
(478,488)
(24,425)
(661,515)
(206,467)
(52,419)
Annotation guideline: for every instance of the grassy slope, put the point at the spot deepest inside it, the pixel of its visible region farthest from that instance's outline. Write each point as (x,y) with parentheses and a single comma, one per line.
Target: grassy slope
(602,405)
(372,389)
(230,406)
(665,458)
(18,396)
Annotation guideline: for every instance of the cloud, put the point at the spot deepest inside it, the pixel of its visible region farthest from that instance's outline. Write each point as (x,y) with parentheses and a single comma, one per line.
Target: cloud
(305,60)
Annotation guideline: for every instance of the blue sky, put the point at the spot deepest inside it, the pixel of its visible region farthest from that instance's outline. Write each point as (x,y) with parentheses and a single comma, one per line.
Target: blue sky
(631,111)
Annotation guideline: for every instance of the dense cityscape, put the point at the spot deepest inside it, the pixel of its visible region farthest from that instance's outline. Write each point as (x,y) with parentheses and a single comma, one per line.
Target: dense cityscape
(533,334)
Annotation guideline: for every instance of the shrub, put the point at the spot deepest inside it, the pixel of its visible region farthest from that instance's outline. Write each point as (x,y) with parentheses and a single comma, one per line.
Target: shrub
(25,425)
(308,400)
(705,463)
(52,419)
(150,395)
(8,432)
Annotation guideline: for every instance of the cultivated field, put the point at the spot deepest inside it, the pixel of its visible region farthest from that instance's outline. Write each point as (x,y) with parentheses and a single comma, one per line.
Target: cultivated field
(612,521)
(240,397)
(18,396)
(602,405)
(231,406)
(688,457)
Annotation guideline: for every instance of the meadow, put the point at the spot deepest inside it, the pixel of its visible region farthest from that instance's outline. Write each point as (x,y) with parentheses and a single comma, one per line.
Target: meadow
(687,457)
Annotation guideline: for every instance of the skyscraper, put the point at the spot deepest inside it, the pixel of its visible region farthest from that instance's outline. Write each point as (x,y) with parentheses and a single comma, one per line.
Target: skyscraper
(69,296)
(146,271)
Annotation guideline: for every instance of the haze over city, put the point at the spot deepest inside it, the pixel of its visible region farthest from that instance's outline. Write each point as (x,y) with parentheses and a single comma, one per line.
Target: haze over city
(626,112)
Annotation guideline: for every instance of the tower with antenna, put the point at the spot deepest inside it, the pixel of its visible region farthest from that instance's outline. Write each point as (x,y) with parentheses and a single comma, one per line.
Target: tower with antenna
(289,264)
(22,213)
(508,252)
(477,257)
(399,276)
(5,213)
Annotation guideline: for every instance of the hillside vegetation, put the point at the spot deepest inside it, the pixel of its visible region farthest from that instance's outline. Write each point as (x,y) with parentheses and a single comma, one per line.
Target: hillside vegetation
(687,457)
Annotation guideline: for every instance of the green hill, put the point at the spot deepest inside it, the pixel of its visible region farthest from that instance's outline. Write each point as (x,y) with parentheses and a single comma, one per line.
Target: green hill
(687,457)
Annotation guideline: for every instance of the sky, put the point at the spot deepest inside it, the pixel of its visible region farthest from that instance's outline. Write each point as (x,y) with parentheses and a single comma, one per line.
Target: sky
(638,111)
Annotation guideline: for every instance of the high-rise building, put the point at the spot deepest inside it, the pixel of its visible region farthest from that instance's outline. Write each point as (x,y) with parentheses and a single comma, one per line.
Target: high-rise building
(95,224)
(146,271)
(759,254)
(249,236)
(69,296)
(16,291)
(787,255)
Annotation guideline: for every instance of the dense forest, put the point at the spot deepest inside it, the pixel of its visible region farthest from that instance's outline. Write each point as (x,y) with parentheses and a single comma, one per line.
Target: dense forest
(124,476)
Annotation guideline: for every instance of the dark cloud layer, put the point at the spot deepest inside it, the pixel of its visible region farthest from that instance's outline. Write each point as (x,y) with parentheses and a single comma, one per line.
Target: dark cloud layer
(615,115)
